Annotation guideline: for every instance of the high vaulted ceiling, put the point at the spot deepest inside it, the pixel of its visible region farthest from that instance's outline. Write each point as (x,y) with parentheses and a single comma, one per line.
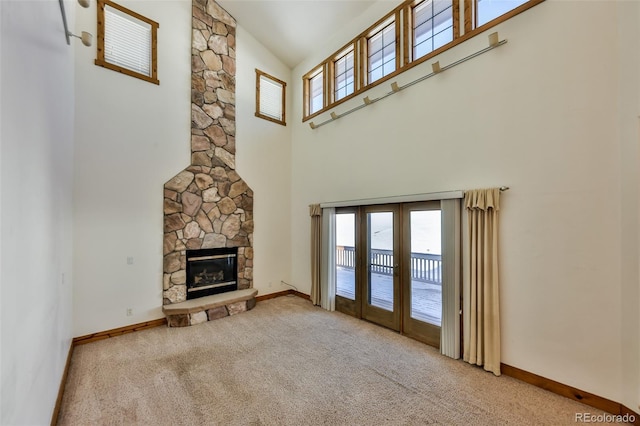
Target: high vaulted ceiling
(291,29)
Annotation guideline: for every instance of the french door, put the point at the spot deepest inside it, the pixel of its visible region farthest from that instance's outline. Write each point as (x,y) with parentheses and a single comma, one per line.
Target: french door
(380,230)
(388,267)
(422,271)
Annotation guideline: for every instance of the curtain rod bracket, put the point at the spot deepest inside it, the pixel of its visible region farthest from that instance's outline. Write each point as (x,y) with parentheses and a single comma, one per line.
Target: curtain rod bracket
(494,39)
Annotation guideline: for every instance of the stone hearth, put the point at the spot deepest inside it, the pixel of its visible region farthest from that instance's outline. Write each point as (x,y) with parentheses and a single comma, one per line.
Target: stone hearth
(209,308)
(208,205)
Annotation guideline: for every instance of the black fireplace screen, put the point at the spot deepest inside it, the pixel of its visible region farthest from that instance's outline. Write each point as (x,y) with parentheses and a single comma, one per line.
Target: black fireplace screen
(211,271)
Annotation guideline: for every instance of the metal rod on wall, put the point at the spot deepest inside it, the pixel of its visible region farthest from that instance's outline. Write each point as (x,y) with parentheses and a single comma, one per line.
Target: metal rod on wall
(64,22)
(437,69)
(85,37)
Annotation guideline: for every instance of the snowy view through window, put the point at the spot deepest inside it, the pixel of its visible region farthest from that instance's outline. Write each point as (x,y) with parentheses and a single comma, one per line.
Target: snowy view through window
(426,278)
(491,9)
(425,240)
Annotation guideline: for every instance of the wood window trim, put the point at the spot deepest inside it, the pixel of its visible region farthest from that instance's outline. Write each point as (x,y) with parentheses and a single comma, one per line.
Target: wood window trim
(100,60)
(361,42)
(398,31)
(258,114)
(305,97)
(407,23)
(468,14)
(456,19)
(330,82)
(362,54)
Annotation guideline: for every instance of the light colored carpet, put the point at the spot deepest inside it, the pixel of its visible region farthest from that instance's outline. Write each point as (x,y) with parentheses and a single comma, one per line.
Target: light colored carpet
(288,363)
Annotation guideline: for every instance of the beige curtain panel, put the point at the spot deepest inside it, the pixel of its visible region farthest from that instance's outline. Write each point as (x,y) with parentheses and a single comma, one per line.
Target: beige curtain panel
(481,297)
(316,251)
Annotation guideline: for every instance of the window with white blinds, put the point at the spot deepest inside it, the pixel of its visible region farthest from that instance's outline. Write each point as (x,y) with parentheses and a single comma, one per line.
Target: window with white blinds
(270,97)
(126,41)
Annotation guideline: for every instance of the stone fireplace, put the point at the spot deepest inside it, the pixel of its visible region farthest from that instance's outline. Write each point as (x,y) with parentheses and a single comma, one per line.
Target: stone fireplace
(207,206)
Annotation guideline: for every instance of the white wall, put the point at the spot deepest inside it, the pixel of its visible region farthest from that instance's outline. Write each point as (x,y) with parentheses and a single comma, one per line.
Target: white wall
(538,115)
(629,125)
(263,160)
(36,210)
(131,137)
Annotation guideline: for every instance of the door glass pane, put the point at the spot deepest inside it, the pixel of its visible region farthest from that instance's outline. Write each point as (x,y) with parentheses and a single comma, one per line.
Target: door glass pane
(380,258)
(426,266)
(345,255)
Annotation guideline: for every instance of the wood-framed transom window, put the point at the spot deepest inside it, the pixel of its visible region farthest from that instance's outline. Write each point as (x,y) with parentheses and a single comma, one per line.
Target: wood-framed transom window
(432,26)
(127,42)
(270,98)
(381,51)
(315,90)
(344,75)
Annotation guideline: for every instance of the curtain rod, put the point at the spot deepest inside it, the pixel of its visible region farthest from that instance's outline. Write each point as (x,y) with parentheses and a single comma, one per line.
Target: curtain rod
(444,195)
(430,196)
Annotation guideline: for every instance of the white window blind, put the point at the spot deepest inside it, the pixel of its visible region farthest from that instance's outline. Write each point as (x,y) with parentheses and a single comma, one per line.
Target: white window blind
(127,41)
(271,103)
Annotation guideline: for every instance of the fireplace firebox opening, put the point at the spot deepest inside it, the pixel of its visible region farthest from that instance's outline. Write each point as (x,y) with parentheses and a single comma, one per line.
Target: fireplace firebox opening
(211,271)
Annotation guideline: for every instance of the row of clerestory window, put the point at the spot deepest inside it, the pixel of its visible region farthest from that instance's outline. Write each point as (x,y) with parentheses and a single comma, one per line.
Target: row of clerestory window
(413,32)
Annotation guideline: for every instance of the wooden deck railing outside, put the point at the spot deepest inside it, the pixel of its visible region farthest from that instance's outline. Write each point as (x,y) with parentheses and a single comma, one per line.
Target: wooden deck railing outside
(424,267)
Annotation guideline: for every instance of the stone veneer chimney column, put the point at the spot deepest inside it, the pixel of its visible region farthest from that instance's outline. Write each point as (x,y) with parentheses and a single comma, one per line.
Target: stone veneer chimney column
(208,205)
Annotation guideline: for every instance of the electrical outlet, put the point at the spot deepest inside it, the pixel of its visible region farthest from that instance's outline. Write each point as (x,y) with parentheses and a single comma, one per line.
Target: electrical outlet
(129,312)
(129,260)
(270,283)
